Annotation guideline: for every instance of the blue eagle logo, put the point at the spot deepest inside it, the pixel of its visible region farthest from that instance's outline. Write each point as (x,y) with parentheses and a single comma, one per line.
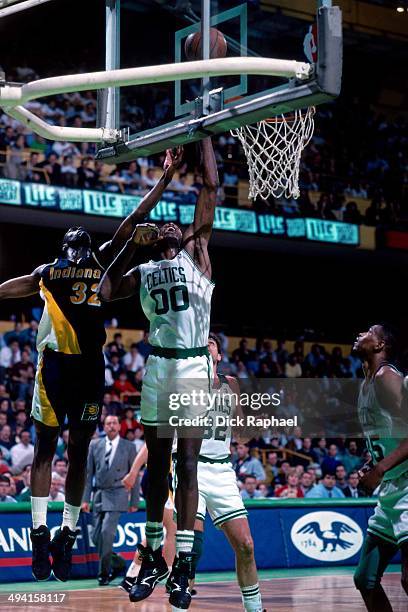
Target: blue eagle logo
(330,536)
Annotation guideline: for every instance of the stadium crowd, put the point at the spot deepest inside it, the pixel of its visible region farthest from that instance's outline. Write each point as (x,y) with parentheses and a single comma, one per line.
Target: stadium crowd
(274,464)
(334,172)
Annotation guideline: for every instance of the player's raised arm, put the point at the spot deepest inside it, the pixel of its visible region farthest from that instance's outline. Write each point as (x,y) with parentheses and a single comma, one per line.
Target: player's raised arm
(197,235)
(139,215)
(118,282)
(22,286)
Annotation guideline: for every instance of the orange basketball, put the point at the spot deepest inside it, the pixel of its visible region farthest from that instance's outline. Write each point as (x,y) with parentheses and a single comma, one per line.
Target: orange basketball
(193,47)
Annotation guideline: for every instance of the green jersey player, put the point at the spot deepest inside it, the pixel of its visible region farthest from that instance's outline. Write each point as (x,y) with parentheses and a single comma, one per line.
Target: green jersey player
(175,293)
(383,417)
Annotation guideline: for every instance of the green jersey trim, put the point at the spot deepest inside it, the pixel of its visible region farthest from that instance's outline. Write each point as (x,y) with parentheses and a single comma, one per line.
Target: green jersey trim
(197,268)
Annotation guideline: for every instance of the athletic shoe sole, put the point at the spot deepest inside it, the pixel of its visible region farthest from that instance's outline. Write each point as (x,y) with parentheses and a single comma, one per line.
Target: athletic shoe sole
(159,580)
(41,579)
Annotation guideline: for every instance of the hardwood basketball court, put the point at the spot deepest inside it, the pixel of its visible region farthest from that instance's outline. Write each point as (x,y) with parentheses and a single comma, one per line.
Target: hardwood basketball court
(282,591)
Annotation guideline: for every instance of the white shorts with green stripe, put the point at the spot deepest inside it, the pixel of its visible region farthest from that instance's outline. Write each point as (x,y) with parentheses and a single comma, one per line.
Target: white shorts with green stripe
(218,493)
(390,518)
(166,379)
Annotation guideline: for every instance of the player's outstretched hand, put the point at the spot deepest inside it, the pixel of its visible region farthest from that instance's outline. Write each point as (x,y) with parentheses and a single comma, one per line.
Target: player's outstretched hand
(370,477)
(145,234)
(85,507)
(173,160)
(129,481)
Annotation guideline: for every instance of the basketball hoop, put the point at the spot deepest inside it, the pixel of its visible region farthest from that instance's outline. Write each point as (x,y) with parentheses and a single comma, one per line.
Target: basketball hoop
(273,148)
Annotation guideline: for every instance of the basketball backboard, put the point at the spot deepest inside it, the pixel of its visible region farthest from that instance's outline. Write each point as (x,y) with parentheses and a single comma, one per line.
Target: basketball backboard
(243,98)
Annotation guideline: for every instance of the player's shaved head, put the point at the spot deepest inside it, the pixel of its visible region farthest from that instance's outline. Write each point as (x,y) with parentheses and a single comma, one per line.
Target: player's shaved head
(76,243)
(379,338)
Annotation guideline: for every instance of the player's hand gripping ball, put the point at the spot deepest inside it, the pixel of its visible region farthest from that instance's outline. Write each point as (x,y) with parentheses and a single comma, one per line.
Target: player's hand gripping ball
(146,234)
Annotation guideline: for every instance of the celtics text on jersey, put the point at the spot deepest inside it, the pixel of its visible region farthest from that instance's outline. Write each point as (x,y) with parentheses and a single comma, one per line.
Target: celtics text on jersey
(176,298)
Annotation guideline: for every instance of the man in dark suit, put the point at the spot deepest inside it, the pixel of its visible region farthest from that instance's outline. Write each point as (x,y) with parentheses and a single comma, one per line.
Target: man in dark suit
(353,489)
(109,460)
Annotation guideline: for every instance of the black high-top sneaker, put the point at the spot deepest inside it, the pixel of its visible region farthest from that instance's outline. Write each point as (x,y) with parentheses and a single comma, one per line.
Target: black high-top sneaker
(153,570)
(178,582)
(127,583)
(41,566)
(61,552)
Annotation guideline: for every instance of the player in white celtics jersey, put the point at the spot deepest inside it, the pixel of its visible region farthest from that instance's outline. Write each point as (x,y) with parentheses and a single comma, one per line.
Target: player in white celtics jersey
(382,411)
(175,292)
(217,486)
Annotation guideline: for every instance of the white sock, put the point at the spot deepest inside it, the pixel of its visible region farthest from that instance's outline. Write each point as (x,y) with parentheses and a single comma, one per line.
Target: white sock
(184,540)
(133,570)
(39,511)
(154,534)
(70,516)
(251,598)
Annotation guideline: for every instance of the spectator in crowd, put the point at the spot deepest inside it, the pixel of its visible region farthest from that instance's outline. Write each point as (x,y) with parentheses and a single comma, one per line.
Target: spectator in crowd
(87,175)
(116,346)
(69,172)
(330,463)
(22,453)
(341,477)
(10,355)
(271,468)
(352,489)
(22,376)
(29,335)
(133,360)
(283,472)
(306,483)
(114,366)
(351,459)
(57,485)
(128,422)
(5,484)
(24,485)
(320,450)
(249,490)
(52,167)
(6,439)
(242,353)
(143,345)
(292,367)
(123,388)
(326,489)
(307,451)
(292,488)
(60,467)
(246,465)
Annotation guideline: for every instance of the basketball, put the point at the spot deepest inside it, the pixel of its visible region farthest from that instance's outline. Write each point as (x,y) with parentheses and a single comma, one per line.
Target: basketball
(194,50)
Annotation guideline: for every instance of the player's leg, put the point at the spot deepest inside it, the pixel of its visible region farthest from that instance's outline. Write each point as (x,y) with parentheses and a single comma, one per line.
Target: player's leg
(153,567)
(169,547)
(186,500)
(45,447)
(64,539)
(239,536)
(197,549)
(376,554)
(404,566)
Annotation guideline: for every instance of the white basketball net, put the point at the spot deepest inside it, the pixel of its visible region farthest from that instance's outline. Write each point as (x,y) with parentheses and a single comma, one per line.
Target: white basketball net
(273,148)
